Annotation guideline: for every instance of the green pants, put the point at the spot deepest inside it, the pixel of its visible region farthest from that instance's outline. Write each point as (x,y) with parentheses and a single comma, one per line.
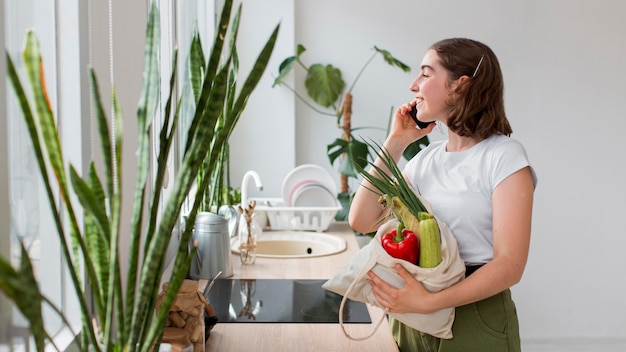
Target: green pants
(489,325)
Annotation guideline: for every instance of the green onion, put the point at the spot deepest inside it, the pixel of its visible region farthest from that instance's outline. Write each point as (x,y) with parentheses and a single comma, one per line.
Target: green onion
(390,185)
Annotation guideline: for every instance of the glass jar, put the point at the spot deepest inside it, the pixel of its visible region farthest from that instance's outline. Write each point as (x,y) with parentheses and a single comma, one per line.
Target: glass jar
(249,232)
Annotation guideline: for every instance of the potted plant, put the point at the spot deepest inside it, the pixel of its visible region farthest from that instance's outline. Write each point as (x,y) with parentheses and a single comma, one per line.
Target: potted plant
(325,87)
(127,320)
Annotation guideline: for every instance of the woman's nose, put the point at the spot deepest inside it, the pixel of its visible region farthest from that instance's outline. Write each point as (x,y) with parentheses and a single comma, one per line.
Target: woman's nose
(414,87)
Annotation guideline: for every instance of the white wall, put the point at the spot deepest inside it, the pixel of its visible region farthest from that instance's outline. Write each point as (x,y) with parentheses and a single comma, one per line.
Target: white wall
(564,74)
(264,139)
(563,64)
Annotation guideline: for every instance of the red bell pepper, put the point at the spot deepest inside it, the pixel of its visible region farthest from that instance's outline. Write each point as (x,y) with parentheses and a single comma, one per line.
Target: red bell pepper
(402,244)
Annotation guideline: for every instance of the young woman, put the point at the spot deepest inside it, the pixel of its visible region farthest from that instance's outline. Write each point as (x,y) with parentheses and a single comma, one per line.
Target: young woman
(479,182)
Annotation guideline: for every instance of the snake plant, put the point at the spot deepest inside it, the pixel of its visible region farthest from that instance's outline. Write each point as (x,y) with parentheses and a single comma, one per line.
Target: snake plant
(127,320)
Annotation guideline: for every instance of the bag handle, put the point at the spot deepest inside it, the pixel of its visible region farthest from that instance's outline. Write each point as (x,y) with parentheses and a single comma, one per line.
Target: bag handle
(367,267)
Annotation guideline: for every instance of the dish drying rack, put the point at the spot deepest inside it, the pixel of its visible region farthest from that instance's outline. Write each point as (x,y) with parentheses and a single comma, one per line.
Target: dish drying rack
(272,213)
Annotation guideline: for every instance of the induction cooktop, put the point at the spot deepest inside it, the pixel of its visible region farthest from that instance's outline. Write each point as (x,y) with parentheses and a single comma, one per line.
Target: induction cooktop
(281,301)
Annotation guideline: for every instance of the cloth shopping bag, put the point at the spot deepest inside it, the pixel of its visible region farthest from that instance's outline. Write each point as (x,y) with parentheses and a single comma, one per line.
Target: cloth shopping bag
(351,280)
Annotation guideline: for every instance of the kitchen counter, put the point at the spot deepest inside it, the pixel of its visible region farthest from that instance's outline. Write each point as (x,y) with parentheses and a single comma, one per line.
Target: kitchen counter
(300,337)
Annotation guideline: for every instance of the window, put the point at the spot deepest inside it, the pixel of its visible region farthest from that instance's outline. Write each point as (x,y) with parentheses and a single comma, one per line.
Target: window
(29,212)
(61,27)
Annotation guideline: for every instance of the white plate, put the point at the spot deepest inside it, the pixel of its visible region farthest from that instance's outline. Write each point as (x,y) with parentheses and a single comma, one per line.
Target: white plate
(305,173)
(313,195)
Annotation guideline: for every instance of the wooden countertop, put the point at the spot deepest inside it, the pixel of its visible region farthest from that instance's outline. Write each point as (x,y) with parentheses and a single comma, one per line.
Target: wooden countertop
(300,337)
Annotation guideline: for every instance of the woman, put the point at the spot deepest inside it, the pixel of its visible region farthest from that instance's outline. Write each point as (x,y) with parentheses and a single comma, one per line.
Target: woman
(478,181)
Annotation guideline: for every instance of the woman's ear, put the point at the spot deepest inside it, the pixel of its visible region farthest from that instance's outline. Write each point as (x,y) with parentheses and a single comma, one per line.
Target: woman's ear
(460,84)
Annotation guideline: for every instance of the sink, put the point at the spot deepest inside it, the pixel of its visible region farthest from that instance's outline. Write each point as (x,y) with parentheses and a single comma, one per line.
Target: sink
(295,244)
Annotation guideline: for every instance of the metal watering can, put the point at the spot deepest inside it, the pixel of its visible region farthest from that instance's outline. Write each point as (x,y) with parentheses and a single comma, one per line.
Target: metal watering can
(213,232)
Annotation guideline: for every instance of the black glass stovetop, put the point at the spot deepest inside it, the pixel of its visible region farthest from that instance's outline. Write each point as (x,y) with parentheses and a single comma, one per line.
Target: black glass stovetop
(281,301)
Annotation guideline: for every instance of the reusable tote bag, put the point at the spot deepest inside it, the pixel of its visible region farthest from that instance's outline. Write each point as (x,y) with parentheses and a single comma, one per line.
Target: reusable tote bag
(351,280)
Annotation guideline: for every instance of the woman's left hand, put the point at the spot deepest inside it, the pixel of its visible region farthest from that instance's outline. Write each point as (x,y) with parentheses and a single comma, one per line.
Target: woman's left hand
(412,298)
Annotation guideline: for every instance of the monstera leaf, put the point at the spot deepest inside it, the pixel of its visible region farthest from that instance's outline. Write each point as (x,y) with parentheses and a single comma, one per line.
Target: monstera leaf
(324,84)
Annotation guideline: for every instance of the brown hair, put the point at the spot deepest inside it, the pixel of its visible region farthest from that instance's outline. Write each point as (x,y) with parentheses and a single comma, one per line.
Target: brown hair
(478,103)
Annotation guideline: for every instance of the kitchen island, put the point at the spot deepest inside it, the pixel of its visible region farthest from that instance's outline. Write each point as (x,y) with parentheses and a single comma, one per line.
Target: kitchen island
(300,336)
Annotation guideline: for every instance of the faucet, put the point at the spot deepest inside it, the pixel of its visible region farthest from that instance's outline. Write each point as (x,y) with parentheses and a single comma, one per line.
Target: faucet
(244,186)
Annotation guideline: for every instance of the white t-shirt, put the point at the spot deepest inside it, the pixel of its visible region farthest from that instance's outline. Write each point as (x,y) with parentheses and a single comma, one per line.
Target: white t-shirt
(459,186)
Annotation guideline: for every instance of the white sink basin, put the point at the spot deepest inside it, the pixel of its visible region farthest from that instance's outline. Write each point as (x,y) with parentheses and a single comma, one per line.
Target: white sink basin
(295,244)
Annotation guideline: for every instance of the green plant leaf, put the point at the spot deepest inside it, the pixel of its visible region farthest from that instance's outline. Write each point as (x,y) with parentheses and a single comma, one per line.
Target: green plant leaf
(415,147)
(91,199)
(345,199)
(29,119)
(324,84)
(22,288)
(283,70)
(300,50)
(392,60)
(216,97)
(210,74)
(336,149)
(356,152)
(145,111)
(392,183)
(196,65)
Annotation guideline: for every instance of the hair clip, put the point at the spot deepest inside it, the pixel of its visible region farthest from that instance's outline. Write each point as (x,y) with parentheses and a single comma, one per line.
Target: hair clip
(477,66)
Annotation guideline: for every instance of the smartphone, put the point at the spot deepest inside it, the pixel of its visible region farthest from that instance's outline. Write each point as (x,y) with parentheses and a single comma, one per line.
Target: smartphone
(419,123)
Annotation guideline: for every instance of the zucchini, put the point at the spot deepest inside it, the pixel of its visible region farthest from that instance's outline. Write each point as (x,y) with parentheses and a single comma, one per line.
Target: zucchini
(430,241)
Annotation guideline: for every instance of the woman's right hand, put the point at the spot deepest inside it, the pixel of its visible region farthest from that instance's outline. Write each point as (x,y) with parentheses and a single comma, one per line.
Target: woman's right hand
(404,131)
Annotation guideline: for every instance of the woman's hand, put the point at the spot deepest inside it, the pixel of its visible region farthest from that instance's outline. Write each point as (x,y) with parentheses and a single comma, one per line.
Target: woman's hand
(412,298)
(404,131)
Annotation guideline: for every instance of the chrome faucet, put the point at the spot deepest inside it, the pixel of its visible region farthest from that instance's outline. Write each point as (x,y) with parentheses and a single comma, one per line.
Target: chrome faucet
(244,186)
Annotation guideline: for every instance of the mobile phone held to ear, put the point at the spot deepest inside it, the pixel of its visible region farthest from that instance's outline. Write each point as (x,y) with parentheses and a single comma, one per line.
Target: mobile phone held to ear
(419,123)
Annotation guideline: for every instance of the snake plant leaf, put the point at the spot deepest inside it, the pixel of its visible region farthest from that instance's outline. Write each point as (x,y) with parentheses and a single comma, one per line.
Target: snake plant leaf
(392,60)
(91,199)
(155,250)
(103,130)
(166,139)
(210,72)
(196,65)
(324,84)
(133,316)
(22,288)
(34,68)
(231,87)
(178,276)
(145,111)
(32,128)
(96,232)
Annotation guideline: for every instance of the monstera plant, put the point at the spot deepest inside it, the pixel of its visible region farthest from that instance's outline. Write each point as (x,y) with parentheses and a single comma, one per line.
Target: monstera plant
(325,87)
(127,320)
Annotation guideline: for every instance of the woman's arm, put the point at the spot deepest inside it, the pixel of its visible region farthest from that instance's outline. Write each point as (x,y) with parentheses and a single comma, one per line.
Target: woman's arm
(512,212)
(365,211)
